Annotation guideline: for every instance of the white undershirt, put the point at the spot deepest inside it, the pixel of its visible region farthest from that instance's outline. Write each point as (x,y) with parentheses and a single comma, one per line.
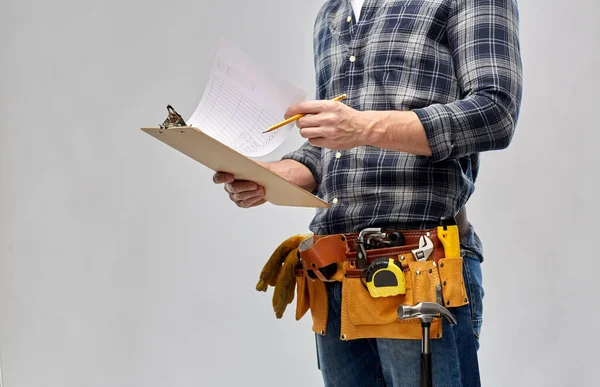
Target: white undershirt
(357,5)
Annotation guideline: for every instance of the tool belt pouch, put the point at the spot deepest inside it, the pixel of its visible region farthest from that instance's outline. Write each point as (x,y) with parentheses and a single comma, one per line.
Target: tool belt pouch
(453,284)
(323,260)
(437,279)
(363,316)
(319,264)
(312,295)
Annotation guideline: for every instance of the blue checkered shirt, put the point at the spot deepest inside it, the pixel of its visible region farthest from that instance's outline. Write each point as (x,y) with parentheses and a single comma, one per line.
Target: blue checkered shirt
(455,63)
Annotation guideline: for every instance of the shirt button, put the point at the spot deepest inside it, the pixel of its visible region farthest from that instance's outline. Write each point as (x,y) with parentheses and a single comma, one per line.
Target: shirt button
(352,59)
(335,200)
(338,155)
(349,19)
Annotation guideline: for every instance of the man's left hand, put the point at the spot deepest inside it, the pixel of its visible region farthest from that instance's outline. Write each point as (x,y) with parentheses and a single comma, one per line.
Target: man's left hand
(330,124)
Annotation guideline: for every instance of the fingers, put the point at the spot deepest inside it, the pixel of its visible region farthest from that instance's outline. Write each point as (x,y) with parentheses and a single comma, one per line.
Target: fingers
(285,284)
(311,132)
(248,199)
(244,194)
(310,107)
(221,178)
(247,195)
(239,186)
(315,136)
(322,119)
(318,142)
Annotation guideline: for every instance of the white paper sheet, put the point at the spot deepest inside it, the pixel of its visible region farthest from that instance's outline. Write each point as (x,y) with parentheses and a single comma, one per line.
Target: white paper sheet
(241,101)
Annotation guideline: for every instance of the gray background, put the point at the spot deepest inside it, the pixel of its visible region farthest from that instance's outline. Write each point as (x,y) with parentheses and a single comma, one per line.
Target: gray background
(122,265)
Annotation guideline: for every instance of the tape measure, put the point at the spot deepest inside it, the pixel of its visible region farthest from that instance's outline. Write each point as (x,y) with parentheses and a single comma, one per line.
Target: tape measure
(384,278)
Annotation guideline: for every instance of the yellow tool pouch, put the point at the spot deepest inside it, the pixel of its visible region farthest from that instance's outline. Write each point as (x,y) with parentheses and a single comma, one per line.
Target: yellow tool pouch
(437,279)
(363,316)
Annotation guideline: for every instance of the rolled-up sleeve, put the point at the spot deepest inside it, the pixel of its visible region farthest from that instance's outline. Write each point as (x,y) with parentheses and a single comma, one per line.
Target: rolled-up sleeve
(310,156)
(483,37)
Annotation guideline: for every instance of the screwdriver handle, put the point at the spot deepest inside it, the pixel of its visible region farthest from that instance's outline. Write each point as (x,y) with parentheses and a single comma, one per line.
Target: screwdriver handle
(450,239)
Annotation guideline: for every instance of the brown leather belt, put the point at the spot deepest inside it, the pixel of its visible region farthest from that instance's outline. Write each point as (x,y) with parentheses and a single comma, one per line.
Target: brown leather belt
(318,260)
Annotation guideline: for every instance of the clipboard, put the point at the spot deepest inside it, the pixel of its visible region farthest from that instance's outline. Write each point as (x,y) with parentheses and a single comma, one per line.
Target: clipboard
(219,157)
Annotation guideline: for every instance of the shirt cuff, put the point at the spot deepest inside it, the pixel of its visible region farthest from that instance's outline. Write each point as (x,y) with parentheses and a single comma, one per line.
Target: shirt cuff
(437,121)
(309,160)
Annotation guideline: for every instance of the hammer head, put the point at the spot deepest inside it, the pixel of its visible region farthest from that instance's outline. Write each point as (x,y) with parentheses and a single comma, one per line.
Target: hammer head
(425,311)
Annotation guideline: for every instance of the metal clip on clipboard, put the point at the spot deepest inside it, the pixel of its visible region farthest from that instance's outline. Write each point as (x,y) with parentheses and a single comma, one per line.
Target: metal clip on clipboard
(173,120)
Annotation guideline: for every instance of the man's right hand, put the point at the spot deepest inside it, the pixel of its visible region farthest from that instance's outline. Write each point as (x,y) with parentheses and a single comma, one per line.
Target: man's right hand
(247,194)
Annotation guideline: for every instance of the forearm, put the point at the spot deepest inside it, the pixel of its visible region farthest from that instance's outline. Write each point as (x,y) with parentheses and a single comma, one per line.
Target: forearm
(294,172)
(395,130)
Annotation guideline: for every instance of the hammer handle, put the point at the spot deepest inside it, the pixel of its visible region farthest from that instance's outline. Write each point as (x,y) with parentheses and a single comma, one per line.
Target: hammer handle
(426,372)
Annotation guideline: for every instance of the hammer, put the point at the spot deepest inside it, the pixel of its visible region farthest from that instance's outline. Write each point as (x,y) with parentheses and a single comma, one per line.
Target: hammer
(426,312)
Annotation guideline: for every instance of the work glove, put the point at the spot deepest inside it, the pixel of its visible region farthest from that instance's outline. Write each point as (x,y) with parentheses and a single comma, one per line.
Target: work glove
(280,272)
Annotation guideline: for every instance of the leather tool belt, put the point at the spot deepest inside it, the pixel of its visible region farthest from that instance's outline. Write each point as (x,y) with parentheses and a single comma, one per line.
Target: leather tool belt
(329,258)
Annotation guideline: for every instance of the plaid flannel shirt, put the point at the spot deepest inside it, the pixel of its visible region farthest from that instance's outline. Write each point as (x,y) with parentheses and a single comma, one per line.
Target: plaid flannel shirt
(455,63)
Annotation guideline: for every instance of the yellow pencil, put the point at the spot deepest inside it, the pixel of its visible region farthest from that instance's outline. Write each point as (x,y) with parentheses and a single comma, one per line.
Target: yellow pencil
(297,116)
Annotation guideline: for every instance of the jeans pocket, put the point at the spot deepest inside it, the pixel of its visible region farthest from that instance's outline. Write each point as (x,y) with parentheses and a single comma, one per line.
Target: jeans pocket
(473,283)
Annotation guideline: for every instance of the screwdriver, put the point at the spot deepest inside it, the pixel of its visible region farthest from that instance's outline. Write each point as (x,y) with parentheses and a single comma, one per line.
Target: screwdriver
(448,234)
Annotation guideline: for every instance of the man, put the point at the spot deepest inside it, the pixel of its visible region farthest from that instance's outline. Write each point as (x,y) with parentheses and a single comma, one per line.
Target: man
(430,84)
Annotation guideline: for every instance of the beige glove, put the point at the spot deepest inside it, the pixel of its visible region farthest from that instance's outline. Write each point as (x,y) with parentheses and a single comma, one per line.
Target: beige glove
(280,272)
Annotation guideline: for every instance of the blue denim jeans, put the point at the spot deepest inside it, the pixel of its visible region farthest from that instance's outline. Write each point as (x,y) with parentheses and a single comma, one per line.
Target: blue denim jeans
(396,363)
